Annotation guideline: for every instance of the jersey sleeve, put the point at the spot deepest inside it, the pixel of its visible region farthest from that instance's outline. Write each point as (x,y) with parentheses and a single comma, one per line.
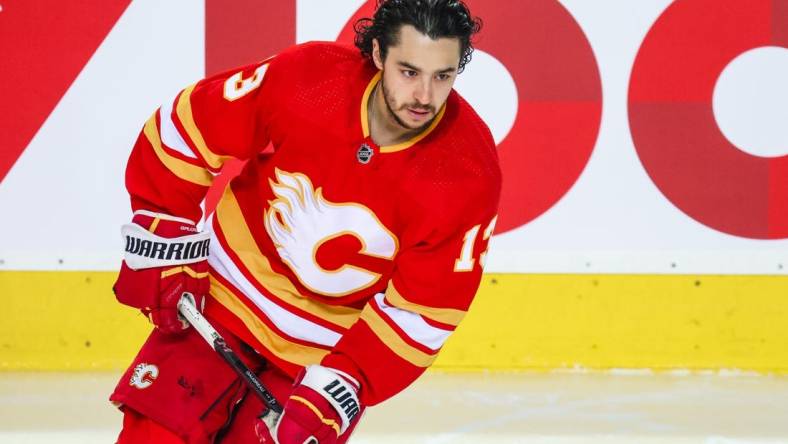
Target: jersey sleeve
(436,276)
(188,139)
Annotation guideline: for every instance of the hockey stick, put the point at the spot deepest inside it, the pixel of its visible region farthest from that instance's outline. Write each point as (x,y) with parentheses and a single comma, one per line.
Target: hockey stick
(189,312)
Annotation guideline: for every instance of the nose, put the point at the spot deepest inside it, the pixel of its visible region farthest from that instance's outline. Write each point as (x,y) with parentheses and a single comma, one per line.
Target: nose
(423,94)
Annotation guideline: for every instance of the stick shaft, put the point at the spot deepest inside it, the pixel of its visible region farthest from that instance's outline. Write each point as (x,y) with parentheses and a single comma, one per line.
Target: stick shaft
(187,309)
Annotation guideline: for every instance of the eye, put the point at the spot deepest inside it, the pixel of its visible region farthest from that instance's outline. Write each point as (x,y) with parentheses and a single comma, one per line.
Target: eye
(409,73)
(443,76)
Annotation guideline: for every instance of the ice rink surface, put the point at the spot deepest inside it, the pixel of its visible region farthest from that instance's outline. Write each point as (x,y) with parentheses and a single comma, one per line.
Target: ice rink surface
(539,408)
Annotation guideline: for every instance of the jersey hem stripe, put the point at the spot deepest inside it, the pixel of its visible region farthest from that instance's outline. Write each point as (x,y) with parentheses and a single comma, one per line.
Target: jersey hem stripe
(288,322)
(284,349)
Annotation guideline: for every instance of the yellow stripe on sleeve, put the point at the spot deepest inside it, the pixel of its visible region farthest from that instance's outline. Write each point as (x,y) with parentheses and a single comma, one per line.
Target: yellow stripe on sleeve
(184,111)
(448,316)
(183,170)
(393,340)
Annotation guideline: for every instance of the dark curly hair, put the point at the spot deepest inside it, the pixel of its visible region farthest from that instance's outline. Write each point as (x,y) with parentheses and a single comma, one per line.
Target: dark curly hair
(434,18)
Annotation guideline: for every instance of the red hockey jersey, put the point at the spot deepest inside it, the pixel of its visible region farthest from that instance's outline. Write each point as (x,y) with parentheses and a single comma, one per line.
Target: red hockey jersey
(327,249)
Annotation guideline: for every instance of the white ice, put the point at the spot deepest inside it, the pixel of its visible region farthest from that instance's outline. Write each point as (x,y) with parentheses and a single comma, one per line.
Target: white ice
(538,408)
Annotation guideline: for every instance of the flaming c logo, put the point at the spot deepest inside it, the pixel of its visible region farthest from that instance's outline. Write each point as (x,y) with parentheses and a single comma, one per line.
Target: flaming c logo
(144,375)
(300,220)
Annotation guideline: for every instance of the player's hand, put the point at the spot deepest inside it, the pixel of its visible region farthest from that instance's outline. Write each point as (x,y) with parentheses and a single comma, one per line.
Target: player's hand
(165,257)
(322,406)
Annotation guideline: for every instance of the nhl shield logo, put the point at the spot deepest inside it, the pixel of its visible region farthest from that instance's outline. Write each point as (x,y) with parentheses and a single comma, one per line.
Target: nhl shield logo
(143,375)
(364,154)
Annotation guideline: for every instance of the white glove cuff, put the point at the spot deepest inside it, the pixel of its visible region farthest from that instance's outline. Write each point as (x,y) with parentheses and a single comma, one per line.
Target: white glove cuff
(147,250)
(338,391)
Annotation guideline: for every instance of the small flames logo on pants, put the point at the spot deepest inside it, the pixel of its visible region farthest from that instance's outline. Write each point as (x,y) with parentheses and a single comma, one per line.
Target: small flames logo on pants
(144,375)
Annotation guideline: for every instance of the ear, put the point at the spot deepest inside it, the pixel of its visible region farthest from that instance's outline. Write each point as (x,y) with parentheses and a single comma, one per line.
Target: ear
(376,58)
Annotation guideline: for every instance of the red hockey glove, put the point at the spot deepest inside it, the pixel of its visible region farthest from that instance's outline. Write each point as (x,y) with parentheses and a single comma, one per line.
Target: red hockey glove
(165,257)
(321,408)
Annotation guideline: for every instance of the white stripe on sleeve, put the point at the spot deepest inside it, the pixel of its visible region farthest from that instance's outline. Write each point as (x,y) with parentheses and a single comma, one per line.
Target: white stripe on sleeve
(169,133)
(414,325)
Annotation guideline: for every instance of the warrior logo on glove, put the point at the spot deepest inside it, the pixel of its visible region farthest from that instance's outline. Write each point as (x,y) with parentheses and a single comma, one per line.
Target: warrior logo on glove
(339,393)
(161,264)
(168,251)
(320,409)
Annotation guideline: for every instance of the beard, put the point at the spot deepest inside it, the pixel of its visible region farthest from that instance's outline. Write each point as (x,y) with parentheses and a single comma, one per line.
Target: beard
(391,105)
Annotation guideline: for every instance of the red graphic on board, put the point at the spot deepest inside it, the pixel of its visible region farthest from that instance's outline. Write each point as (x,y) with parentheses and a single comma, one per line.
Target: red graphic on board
(44,46)
(544,49)
(241,32)
(672,118)
(238,33)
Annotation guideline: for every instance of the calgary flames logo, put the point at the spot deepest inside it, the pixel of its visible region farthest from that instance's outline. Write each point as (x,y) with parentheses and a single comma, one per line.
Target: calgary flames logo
(144,375)
(300,220)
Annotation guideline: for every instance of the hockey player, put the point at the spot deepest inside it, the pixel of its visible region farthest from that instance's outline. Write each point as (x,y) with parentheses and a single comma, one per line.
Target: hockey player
(341,258)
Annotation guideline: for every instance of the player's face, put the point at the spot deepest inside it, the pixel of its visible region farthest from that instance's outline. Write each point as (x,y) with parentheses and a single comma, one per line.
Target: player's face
(418,74)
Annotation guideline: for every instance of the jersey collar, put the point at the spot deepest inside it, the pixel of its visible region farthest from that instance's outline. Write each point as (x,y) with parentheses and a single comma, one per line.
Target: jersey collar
(400,146)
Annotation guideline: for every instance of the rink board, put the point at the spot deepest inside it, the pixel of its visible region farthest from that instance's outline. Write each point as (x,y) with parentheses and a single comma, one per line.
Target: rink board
(71,321)
(630,252)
